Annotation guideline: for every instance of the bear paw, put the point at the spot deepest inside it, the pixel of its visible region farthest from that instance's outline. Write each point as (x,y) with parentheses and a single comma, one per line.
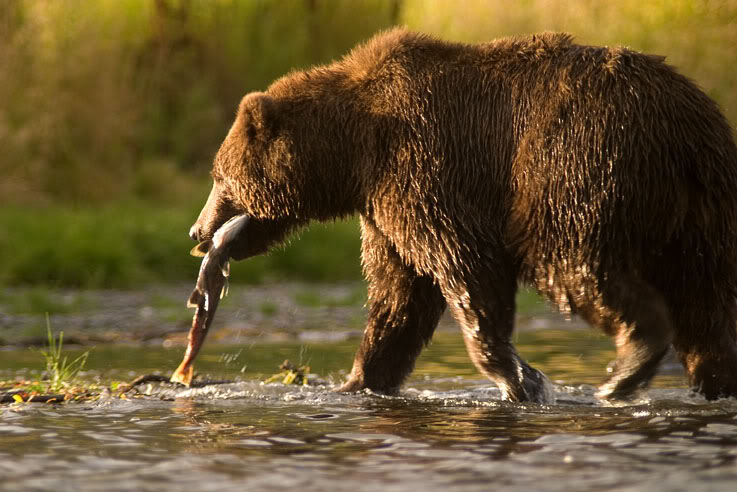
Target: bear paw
(356,385)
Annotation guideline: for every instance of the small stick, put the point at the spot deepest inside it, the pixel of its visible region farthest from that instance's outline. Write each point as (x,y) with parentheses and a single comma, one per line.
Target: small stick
(156,378)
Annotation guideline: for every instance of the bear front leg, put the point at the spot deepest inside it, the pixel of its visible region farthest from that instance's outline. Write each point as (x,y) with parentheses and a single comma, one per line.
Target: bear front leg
(485,310)
(404,310)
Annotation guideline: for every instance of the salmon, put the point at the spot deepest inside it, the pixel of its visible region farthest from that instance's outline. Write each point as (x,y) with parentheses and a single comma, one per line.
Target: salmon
(212,285)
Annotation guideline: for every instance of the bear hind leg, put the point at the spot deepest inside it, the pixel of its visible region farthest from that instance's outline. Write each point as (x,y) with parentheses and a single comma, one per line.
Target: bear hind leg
(637,317)
(706,342)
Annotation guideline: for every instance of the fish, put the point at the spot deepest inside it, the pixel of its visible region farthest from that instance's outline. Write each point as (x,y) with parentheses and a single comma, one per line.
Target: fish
(211,286)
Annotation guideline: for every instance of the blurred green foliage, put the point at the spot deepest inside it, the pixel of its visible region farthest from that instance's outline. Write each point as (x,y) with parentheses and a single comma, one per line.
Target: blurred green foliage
(125,244)
(97,96)
(111,111)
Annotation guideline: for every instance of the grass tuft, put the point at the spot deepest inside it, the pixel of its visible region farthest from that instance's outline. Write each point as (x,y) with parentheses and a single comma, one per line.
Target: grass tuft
(61,373)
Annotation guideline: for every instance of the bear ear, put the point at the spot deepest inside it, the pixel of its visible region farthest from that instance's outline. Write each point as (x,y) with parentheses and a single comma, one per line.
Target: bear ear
(258,114)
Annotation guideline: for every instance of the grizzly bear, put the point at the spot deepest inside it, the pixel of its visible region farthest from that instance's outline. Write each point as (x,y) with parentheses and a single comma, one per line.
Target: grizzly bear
(600,176)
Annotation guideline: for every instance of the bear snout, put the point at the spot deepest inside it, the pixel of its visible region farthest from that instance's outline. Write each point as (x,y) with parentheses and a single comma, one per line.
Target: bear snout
(195,232)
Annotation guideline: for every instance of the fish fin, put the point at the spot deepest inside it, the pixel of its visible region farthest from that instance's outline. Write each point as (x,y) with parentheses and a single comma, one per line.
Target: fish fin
(194,299)
(226,269)
(183,374)
(201,249)
(224,292)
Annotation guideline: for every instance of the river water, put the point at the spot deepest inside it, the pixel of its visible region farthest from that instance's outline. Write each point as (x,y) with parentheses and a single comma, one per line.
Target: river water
(447,430)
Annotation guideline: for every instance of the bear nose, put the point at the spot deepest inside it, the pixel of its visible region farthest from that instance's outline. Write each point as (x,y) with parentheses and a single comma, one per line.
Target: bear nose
(194,232)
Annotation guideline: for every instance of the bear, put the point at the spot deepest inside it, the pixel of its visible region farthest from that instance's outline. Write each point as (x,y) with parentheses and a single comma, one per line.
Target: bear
(599,176)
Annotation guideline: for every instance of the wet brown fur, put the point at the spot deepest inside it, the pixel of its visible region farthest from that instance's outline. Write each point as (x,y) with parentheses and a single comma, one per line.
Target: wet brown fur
(598,175)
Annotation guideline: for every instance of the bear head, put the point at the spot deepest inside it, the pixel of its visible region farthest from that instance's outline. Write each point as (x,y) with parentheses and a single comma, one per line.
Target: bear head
(283,163)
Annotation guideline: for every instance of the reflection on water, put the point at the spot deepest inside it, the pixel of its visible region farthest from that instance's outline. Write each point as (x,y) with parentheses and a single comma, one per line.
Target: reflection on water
(447,430)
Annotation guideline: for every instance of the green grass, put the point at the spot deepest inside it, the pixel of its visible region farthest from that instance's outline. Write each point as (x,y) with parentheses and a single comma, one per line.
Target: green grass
(127,244)
(117,245)
(60,372)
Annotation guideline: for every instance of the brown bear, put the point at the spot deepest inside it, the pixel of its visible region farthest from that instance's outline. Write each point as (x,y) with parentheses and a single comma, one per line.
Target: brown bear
(598,175)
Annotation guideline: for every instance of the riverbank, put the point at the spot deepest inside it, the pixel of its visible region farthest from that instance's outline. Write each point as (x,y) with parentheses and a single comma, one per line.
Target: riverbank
(157,314)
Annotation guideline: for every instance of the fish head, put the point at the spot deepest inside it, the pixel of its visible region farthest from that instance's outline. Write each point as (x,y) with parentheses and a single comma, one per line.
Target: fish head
(229,231)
